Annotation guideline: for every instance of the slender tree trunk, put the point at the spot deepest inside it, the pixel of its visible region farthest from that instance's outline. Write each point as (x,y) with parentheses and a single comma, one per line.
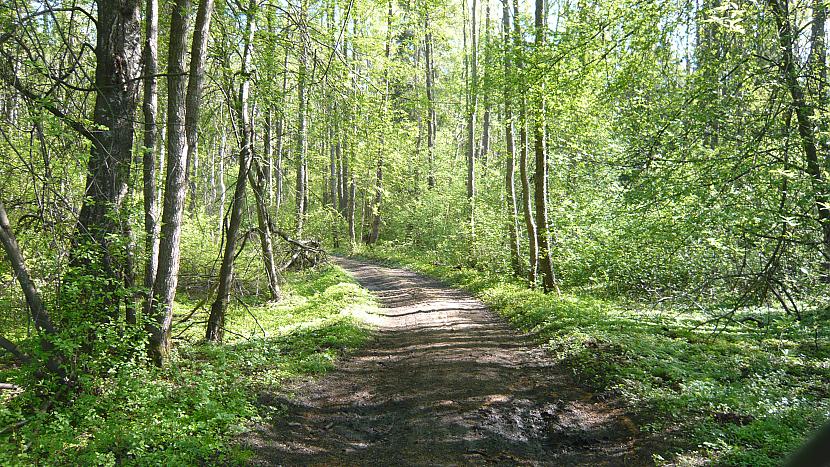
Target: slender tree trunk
(269,157)
(281,135)
(264,226)
(510,141)
(431,117)
(216,321)
(527,208)
(333,177)
(175,191)
(198,57)
(471,121)
(818,74)
(485,123)
(150,105)
(804,114)
(541,177)
(302,130)
(376,206)
(34,302)
(351,209)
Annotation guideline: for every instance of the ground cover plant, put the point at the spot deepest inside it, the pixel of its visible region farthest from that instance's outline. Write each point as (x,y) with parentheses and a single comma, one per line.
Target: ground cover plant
(189,411)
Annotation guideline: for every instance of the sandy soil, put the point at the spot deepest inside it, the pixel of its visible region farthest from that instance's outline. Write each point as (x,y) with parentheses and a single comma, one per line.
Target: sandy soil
(444,382)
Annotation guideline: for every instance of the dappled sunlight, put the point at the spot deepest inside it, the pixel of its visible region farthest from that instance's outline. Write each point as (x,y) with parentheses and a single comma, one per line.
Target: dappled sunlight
(442,380)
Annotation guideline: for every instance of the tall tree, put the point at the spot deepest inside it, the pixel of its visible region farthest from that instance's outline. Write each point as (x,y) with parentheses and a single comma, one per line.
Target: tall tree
(510,144)
(216,321)
(527,207)
(150,104)
(432,123)
(804,112)
(376,204)
(196,77)
(472,107)
(302,122)
(541,176)
(102,223)
(175,189)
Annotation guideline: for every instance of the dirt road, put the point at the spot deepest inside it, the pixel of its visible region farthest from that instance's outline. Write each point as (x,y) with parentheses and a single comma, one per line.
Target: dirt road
(444,382)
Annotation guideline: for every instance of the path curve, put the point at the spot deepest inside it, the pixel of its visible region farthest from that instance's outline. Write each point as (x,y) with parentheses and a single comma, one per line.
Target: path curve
(444,382)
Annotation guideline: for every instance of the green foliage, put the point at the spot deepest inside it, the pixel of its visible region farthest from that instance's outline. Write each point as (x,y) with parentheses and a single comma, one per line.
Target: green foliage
(187,412)
(734,393)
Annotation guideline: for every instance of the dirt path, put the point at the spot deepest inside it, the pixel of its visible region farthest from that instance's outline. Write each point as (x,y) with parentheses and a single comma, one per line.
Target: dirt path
(444,382)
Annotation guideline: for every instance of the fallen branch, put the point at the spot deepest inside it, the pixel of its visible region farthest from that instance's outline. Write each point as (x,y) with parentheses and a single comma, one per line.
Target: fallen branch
(9,387)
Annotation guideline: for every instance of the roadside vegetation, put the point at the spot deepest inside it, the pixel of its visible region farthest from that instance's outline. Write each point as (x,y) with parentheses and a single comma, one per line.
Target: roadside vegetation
(189,411)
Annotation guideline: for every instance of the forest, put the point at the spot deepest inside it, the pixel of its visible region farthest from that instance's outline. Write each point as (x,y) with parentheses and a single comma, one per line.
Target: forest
(413,232)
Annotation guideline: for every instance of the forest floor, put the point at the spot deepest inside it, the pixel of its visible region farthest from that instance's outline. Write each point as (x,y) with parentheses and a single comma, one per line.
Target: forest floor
(443,381)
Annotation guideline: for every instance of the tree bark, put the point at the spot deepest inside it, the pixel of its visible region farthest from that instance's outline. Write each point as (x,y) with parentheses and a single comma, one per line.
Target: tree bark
(151,227)
(541,176)
(485,121)
(196,78)
(510,142)
(281,135)
(216,321)
(527,208)
(431,117)
(471,121)
(264,227)
(175,190)
(101,222)
(804,114)
(376,205)
(302,129)
(37,309)
(40,317)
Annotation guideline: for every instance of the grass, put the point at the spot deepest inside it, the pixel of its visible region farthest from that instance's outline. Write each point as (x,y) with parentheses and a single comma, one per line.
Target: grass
(735,395)
(189,412)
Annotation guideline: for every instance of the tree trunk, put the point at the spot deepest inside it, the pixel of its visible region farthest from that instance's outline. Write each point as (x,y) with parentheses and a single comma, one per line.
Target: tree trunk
(376,205)
(281,134)
(804,115)
(198,57)
(264,226)
(471,120)
(216,321)
(818,74)
(485,122)
(527,208)
(431,117)
(151,241)
(351,209)
(101,222)
(541,176)
(175,191)
(269,157)
(34,302)
(510,141)
(302,131)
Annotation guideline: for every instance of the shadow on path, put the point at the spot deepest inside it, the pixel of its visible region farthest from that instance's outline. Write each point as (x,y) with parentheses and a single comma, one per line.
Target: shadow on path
(444,382)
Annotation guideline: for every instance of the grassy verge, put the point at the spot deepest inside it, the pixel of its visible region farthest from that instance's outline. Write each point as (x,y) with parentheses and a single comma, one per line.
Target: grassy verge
(741,395)
(188,412)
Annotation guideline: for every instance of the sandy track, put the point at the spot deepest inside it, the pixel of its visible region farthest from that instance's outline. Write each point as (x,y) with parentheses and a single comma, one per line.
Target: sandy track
(444,382)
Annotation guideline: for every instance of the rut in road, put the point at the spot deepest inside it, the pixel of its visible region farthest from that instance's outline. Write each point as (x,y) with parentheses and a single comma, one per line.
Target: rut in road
(443,382)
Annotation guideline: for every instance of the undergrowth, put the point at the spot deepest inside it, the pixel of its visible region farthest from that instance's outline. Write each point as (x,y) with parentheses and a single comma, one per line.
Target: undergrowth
(729,392)
(188,412)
